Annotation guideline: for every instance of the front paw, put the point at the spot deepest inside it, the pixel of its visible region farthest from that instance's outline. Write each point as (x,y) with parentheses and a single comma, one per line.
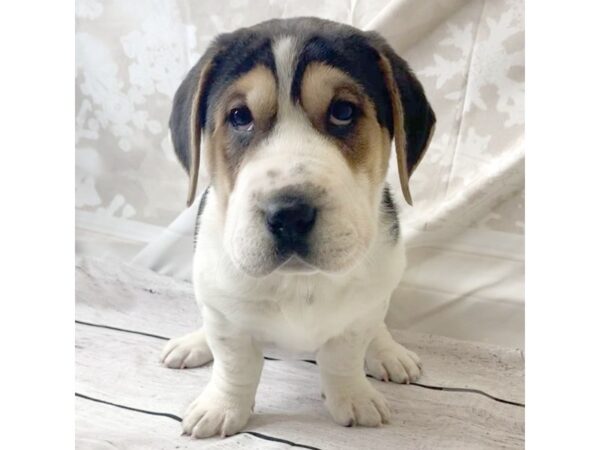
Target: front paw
(359,405)
(392,362)
(214,413)
(190,350)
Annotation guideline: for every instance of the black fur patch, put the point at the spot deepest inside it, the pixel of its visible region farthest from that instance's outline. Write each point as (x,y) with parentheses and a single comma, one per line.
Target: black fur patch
(201,206)
(179,121)
(351,53)
(419,118)
(229,56)
(390,211)
(238,54)
(347,48)
(357,53)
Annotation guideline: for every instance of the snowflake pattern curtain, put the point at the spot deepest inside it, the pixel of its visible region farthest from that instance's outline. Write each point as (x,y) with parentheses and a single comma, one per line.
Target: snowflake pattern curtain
(465,232)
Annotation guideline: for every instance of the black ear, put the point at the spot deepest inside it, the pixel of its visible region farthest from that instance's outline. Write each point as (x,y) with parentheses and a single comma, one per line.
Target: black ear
(419,118)
(179,122)
(414,122)
(185,120)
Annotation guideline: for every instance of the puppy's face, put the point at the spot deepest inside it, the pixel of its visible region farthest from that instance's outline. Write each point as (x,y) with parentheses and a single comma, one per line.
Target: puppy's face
(303,174)
(296,119)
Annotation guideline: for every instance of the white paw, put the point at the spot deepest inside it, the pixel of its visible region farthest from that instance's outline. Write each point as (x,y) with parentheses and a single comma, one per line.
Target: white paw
(190,350)
(393,362)
(362,405)
(213,413)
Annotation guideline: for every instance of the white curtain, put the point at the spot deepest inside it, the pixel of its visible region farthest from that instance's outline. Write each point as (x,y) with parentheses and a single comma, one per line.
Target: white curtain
(464,234)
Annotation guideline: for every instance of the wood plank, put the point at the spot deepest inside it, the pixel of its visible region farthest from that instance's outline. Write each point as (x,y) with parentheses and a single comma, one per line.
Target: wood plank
(123,368)
(497,371)
(105,427)
(122,296)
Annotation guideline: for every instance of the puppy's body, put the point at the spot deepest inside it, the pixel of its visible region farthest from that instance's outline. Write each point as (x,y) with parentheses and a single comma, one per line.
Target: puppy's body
(298,312)
(298,241)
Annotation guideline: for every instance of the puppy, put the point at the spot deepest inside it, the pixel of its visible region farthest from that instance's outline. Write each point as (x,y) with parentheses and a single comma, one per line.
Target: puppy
(298,241)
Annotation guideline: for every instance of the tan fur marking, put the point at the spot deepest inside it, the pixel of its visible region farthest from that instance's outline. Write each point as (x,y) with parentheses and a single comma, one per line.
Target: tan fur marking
(367,147)
(399,133)
(195,136)
(257,90)
(220,175)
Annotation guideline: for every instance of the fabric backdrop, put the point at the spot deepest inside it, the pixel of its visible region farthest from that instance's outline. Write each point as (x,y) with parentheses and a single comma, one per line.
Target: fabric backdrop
(464,234)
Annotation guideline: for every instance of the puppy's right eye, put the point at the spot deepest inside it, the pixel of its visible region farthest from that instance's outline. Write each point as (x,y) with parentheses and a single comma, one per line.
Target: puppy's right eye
(241,118)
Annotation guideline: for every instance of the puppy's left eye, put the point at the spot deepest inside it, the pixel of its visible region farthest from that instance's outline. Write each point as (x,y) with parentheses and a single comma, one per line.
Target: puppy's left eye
(341,113)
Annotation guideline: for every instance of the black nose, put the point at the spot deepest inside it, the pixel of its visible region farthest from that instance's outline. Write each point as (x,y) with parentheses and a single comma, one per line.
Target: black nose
(290,219)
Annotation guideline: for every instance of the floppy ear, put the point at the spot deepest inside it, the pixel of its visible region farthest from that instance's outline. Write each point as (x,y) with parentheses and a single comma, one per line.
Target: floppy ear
(185,121)
(414,120)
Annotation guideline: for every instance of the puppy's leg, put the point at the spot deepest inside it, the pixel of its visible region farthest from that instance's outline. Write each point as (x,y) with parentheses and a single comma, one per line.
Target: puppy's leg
(189,350)
(349,396)
(226,403)
(389,361)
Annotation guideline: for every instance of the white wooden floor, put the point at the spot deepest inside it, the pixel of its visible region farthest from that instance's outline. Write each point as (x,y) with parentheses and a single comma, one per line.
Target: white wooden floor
(469,397)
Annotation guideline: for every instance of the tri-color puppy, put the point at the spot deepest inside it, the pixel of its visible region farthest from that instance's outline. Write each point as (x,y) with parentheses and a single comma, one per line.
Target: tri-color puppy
(298,241)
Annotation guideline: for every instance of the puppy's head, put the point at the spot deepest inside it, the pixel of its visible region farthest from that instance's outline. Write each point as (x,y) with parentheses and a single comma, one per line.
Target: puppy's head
(296,119)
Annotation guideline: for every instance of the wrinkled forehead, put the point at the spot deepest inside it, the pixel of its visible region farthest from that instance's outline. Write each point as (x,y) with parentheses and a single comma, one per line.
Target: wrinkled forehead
(287,50)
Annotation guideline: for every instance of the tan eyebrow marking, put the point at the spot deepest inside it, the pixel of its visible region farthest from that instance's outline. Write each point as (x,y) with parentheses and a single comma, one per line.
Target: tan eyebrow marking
(257,89)
(367,147)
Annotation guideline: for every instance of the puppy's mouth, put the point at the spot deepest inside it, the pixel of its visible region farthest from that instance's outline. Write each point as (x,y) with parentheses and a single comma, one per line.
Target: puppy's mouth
(291,235)
(294,264)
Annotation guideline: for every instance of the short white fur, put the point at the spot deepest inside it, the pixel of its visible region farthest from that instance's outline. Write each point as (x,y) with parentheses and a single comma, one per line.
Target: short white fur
(335,311)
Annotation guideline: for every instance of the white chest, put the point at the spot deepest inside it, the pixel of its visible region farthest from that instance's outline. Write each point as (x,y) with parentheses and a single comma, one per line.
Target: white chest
(296,312)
